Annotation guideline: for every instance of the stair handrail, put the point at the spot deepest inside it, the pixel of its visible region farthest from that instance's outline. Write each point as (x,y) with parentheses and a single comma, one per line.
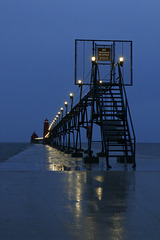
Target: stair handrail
(127,108)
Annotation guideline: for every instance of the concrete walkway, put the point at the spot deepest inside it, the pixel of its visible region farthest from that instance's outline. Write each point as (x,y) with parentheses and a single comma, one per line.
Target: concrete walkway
(39,203)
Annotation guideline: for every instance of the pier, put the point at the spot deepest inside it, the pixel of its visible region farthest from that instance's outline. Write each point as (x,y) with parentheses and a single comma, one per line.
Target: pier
(40,201)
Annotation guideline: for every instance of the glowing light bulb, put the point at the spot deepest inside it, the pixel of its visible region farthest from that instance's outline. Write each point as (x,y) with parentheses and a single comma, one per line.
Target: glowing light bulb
(79,82)
(93,58)
(121,59)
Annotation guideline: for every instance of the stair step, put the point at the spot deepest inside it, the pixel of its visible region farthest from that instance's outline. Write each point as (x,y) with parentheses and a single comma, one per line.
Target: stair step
(128,144)
(110,110)
(114,93)
(119,138)
(109,105)
(113,115)
(111,101)
(112,123)
(119,97)
(114,155)
(110,95)
(119,141)
(114,130)
(120,151)
(114,136)
(115,139)
(106,91)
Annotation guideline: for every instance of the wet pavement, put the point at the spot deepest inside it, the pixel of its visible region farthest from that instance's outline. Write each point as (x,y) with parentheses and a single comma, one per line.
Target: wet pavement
(37,202)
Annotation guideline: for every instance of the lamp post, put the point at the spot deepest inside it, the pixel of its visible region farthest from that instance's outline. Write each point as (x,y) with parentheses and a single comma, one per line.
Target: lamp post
(66,105)
(62,111)
(80,86)
(71,97)
(94,70)
(53,123)
(120,64)
(59,113)
(93,58)
(57,118)
(121,60)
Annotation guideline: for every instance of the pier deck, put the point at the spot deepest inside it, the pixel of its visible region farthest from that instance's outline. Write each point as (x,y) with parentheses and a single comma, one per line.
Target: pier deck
(37,202)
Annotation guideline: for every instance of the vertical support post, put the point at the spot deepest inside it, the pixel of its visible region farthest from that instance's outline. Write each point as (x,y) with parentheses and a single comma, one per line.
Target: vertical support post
(131,66)
(69,134)
(62,113)
(75,76)
(94,76)
(73,140)
(74,124)
(66,105)
(71,97)
(113,62)
(80,93)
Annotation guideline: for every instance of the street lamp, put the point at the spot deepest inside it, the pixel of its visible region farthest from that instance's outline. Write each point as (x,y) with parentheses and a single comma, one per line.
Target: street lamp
(62,111)
(80,85)
(59,113)
(71,97)
(93,58)
(79,82)
(121,59)
(66,105)
(57,118)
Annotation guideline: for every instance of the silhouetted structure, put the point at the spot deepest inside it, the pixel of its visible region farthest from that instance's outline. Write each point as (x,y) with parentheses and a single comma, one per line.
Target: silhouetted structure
(33,138)
(45,129)
(102,69)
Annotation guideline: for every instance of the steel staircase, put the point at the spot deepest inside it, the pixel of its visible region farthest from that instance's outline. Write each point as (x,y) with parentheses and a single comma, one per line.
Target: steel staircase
(116,124)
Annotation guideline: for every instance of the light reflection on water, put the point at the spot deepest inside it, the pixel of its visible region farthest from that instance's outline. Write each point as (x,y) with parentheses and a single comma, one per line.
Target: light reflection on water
(99,203)
(59,161)
(99,191)
(95,200)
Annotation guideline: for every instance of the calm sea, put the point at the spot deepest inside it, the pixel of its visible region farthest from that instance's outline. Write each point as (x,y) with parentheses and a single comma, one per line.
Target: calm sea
(8,150)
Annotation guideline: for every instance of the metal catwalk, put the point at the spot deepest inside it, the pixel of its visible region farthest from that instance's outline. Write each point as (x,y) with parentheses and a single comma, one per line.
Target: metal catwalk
(104,68)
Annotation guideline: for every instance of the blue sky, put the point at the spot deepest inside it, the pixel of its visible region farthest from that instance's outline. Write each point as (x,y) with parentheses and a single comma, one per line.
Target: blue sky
(37,59)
